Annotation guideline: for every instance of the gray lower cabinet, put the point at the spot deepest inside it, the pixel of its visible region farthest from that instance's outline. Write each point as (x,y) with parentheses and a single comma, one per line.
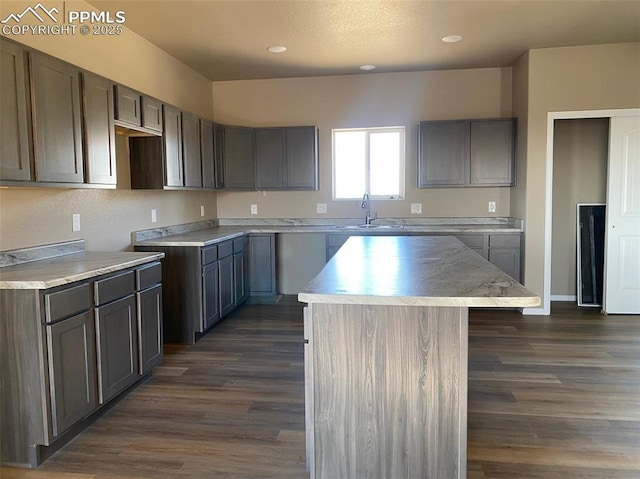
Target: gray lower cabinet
(240,272)
(67,350)
(262,264)
(57,121)
(211,294)
(467,153)
(116,327)
(149,304)
(72,370)
(15,156)
(227,285)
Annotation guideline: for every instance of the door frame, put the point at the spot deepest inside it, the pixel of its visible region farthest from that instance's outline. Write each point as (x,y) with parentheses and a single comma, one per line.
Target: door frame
(548,208)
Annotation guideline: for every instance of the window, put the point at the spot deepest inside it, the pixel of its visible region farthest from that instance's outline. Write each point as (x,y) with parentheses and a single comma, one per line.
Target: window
(368,160)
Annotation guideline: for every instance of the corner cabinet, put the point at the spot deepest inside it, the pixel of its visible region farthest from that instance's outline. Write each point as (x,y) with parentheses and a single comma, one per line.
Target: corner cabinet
(286,158)
(69,350)
(466,153)
(239,161)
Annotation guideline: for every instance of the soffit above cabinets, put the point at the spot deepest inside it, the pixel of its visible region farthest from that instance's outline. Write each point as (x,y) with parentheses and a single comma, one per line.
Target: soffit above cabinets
(228,39)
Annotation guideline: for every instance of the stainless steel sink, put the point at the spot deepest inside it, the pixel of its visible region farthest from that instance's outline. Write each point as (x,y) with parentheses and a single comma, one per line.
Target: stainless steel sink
(369,227)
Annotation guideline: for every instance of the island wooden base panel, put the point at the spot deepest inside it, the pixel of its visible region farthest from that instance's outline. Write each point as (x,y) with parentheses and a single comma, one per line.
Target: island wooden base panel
(549,398)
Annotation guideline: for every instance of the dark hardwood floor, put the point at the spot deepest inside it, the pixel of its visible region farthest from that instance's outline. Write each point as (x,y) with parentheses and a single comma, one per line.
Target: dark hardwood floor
(549,397)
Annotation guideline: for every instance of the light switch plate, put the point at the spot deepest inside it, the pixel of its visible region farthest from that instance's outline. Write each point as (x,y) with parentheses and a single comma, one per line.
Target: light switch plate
(75,222)
(154,216)
(321,208)
(254,209)
(201,210)
(416,208)
(492,207)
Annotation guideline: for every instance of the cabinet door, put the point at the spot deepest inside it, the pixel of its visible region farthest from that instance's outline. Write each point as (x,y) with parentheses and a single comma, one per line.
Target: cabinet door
(493,152)
(270,159)
(262,265)
(172,136)
(508,260)
(99,133)
(443,153)
(117,341)
(15,157)
(210,294)
(239,164)
(149,328)
(191,151)
(128,105)
(72,370)
(208,154)
(151,113)
(57,120)
(218,146)
(226,285)
(302,158)
(239,280)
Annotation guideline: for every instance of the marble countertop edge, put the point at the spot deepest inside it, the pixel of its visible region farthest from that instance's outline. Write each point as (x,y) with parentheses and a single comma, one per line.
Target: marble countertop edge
(374,300)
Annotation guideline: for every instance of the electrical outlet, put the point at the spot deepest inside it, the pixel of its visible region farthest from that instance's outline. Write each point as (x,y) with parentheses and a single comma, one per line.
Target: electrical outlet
(254,209)
(492,207)
(201,210)
(321,208)
(75,222)
(154,216)
(416,208)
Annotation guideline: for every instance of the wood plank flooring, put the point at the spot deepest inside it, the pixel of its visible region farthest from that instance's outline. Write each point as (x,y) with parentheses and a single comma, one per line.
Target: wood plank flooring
(549,397)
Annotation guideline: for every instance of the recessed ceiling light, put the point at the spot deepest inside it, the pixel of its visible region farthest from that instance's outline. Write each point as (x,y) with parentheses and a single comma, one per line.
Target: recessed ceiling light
(452,38)
(277,49)
(367,67)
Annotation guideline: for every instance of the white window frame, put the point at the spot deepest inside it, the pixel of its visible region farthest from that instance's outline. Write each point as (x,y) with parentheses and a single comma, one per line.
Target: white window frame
(368,131)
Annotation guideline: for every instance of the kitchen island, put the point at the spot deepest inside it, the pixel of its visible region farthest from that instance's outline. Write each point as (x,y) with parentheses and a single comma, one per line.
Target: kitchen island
(386,355)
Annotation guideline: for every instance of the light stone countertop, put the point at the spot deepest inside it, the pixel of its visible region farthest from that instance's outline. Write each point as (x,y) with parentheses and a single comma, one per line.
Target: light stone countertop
(414,271)
(212,235)
(68,268)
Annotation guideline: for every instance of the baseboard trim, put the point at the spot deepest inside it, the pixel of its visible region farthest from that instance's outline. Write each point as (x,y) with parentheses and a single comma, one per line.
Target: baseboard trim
(564,297)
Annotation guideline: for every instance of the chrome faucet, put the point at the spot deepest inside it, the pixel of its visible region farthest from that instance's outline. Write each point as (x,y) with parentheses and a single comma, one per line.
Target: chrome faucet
(366,206)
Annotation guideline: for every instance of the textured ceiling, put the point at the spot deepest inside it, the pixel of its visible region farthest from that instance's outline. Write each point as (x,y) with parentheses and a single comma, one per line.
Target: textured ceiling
(227,39)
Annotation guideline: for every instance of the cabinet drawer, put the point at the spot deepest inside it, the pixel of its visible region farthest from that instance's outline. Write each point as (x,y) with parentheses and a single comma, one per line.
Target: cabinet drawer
(148,275)
(209,254)
(238,245)
(225,249)
(115,287)
(472,241)
(504,241)
(67,302)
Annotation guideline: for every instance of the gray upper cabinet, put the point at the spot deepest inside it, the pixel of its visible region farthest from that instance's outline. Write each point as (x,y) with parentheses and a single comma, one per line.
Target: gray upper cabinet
(218,147)
(191,151)
(128,105)
(15,149)
(99,133)
(443,149)
(286,158)
(239,162)
(151,113)
(172,136)
(57,120)
(466,153)
(302,158)
(493,152)
(208,154)
(270,159)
